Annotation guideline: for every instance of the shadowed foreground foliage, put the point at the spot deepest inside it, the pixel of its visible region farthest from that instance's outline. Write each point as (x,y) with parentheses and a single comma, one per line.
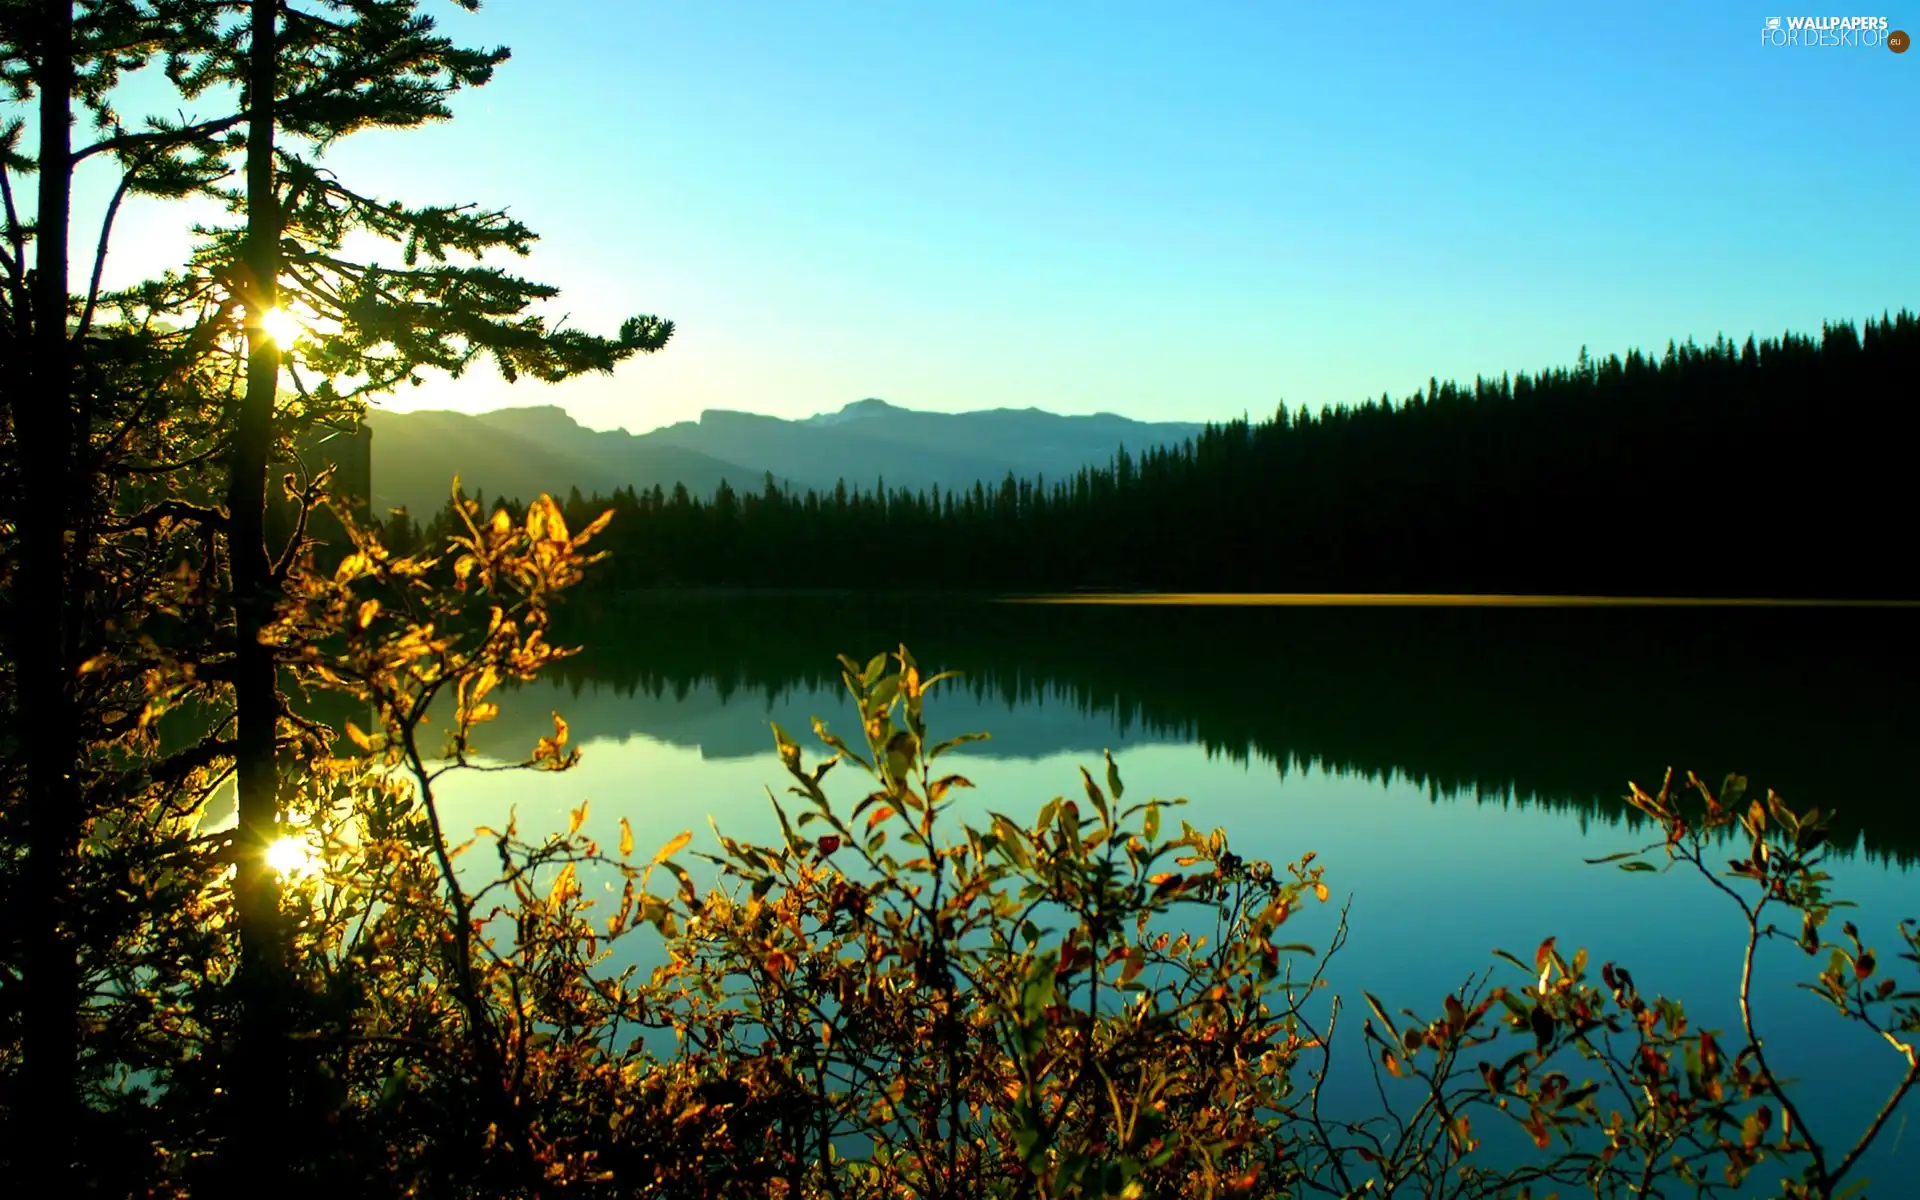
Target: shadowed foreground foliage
(892,1001)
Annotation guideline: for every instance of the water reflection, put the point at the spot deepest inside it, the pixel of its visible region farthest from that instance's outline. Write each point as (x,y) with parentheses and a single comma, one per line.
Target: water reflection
(1450,769)
(1524,707)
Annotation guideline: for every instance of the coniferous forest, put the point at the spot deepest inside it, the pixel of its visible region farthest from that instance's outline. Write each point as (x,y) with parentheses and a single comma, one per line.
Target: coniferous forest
(1776,467)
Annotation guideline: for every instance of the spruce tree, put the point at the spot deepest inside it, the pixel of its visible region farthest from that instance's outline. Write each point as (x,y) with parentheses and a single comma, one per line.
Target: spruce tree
(75,395)
(286,80)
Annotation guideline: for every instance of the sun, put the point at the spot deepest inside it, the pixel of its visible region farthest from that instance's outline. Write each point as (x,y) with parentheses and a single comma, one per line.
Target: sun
(282,326)
(291,856)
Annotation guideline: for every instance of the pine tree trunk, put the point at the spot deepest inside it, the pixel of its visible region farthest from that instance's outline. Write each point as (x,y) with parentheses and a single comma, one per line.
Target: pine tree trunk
(43,424)
(260,1092)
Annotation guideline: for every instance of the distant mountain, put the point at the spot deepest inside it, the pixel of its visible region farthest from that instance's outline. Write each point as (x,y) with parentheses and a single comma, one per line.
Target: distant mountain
(524,451)
(871,438)
(521,452)
(874,438)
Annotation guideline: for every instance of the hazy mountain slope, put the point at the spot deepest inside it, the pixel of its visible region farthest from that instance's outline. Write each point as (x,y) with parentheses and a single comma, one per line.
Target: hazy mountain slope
(521,452)
(1029,440)
(915,449)
(818,456)
(524,451)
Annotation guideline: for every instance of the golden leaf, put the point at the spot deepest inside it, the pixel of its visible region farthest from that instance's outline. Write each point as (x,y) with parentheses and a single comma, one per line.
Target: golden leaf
(565,887)
(483,682)
(626,838)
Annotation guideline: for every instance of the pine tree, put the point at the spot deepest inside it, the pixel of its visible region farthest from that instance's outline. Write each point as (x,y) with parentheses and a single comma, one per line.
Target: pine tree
(63,381)
(306,74)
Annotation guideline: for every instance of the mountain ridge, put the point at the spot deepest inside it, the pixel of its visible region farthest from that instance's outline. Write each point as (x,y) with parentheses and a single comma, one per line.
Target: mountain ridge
(522,451)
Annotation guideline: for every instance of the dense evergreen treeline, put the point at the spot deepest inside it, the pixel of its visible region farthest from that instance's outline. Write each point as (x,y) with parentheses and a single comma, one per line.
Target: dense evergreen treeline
(1770,466)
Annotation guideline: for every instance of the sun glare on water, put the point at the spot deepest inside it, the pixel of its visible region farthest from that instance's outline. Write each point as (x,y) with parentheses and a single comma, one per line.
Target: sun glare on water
(291,856)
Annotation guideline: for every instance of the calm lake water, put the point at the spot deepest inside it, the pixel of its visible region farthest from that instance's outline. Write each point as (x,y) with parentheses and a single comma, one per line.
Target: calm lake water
(1451,768)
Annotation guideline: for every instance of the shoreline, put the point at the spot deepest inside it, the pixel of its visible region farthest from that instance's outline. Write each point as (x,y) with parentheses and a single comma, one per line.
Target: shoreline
(1120,598)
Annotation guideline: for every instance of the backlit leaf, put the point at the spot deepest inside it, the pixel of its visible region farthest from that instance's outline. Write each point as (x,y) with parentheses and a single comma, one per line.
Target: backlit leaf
(1543,955)
(1094,795)
(1380,1013)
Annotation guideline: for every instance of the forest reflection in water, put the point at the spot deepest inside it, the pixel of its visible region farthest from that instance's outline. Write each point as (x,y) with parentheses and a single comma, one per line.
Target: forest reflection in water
(1451,768)
(1559,707)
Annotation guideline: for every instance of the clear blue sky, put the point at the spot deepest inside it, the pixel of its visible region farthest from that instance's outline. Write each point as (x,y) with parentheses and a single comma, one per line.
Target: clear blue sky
(1168,211)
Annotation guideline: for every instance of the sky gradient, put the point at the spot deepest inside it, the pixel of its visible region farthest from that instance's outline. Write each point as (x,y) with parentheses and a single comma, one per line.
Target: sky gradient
(1170,212)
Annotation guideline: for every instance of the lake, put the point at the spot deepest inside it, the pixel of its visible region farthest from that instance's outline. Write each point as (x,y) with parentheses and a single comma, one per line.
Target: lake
(1451,767)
